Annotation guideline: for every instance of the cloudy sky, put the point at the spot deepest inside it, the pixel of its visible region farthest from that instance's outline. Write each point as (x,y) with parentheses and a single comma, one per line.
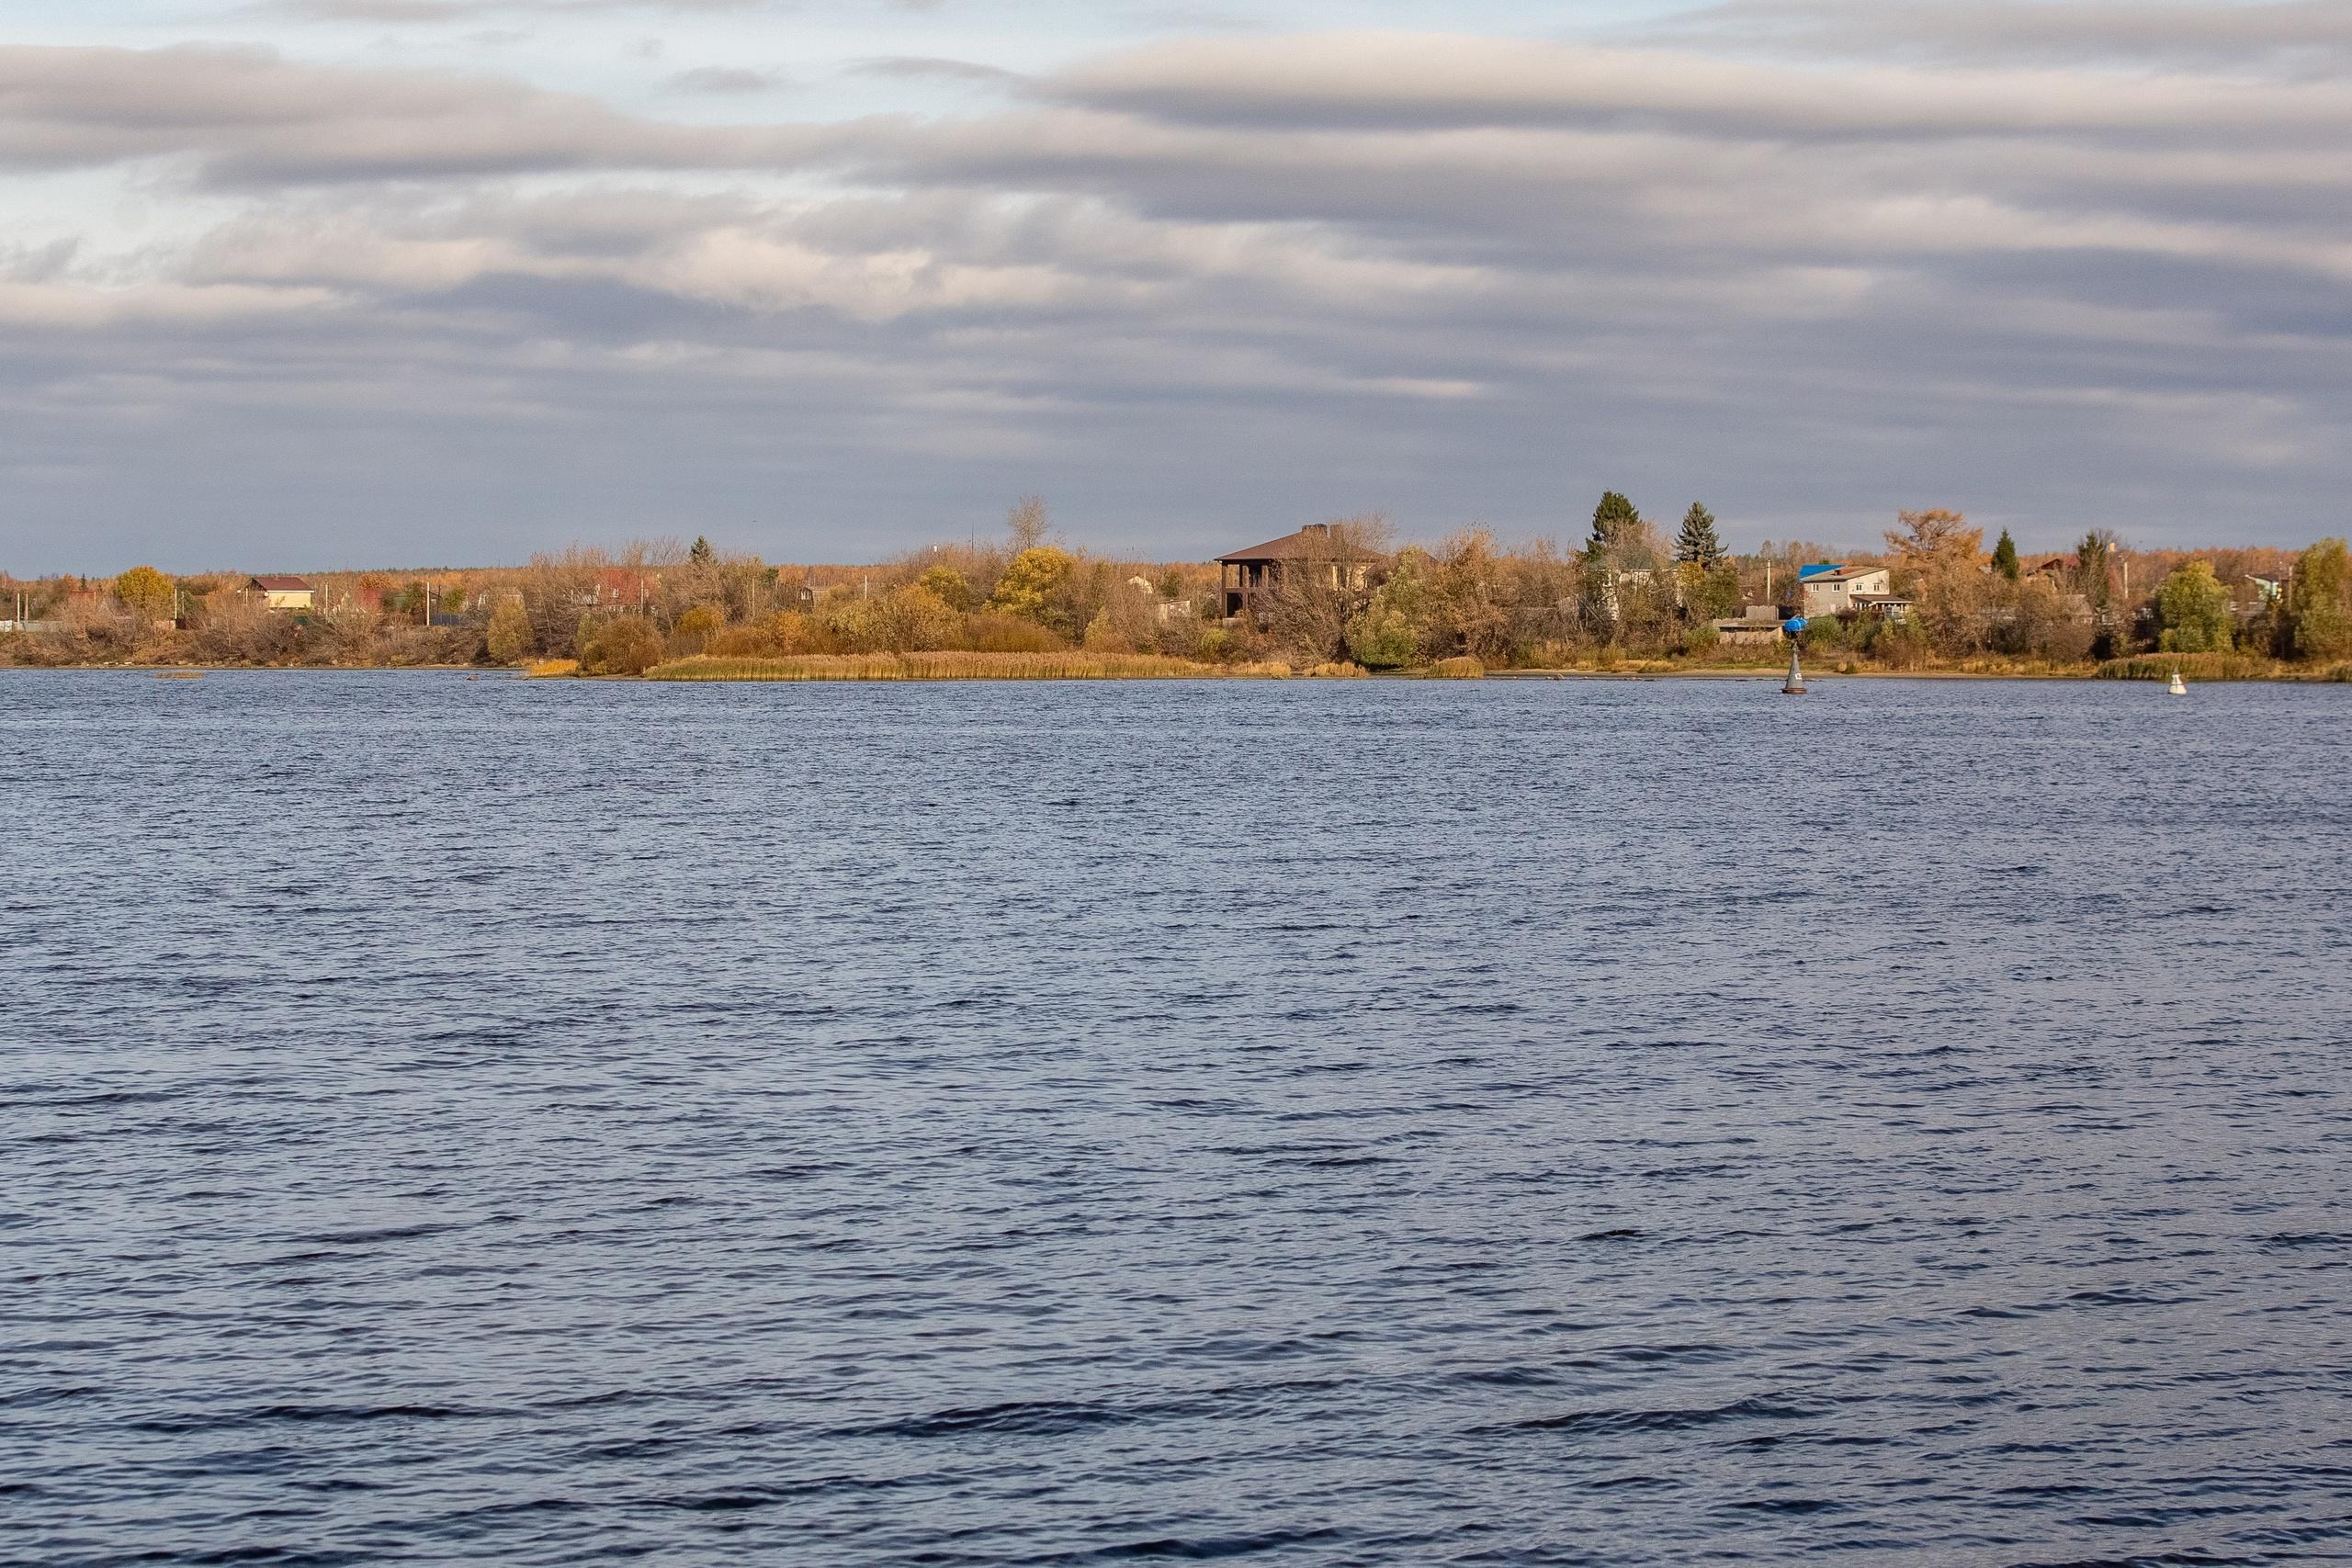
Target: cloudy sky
(303,284)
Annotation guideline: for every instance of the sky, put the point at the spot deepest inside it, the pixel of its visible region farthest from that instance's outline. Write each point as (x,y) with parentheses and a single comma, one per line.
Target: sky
(301,285)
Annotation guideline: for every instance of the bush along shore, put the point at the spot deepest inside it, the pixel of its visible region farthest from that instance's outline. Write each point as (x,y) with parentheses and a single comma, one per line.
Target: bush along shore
(947,665)
(1344,601)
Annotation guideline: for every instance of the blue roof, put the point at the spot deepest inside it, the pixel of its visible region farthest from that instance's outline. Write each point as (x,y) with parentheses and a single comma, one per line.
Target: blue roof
(1819,567)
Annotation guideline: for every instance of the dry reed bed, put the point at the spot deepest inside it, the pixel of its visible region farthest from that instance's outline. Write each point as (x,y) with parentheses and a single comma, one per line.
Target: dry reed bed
(955,666)
(2194,666)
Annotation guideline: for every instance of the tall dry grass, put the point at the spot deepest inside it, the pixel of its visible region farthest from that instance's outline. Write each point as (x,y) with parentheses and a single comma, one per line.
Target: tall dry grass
(2194,667)
(948,665)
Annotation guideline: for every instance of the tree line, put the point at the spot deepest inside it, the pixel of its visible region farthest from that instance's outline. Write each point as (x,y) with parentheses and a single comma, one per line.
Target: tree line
(1627,590)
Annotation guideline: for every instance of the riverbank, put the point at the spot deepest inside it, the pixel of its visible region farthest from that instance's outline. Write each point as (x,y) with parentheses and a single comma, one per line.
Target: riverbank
(1078,665)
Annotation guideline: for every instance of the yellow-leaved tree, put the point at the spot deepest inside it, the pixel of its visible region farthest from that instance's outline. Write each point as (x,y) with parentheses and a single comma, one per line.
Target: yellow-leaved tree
(146,593)
(1030,582)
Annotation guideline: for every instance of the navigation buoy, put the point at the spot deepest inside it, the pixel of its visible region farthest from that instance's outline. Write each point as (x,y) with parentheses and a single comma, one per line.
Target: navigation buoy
(1794,685)
(2178,688)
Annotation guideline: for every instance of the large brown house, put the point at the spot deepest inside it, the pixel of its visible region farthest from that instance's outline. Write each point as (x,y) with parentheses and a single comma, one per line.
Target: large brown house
(1322,553)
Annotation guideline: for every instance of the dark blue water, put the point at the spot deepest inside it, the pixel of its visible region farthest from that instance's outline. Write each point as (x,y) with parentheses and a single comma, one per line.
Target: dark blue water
(1315,1124)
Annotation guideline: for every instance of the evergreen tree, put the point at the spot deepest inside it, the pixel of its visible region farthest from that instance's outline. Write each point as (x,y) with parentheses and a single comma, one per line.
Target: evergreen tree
(2093,559)
(2004,556)
(1612,521)
(702,554)
(1696,543)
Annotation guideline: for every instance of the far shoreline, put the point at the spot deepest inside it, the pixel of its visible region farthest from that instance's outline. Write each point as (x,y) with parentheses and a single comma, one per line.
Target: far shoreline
(1698,672)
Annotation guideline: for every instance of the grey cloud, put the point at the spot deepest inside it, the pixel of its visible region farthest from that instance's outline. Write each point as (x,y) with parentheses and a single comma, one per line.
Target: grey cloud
(1408,81)
(1195,283)
(927,66)
(727,80)
(402,12)
(246,116)
(2300,34)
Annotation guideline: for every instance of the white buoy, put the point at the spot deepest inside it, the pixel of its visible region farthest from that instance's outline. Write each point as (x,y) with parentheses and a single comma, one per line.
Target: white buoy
(2178,687)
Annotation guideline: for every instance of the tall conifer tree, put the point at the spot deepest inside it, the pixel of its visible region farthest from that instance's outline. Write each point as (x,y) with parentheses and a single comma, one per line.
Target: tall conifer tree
(1696,543)
(1612,521)
(2004,556)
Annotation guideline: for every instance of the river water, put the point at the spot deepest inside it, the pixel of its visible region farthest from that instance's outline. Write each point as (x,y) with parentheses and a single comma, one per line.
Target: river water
(1315,1122)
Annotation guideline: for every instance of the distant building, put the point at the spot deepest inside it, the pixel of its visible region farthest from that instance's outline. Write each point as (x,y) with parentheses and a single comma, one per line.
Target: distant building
(282,592)
(1315,554)
(1164,609)
(1828,588)
(1757,626)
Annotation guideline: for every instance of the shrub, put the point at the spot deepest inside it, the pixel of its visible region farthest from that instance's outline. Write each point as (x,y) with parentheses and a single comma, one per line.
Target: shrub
(692,632)
(989,632)
(957,665)
(625,645)
(1339,671)
(1461,668)
(904,620)
(509,636)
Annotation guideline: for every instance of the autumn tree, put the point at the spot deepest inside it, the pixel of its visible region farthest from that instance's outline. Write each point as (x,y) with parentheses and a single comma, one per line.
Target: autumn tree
(1937,559)
(1310,598)
(1027,524)
(146,593)
(1029,582)
(949,585)
(2193,608)
(2324,601)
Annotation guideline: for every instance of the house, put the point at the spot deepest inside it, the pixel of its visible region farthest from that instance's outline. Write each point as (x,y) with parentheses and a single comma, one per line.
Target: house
(1320,554)
(1828,587)
(282,592)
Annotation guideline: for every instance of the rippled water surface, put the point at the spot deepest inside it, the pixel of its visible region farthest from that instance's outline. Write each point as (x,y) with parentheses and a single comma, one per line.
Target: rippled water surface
(1334,1122)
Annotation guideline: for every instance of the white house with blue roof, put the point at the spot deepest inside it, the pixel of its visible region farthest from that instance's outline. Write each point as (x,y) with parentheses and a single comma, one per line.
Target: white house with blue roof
(1828,587)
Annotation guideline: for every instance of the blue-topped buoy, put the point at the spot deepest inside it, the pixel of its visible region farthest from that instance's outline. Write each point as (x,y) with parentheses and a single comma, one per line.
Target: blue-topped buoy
(1794,685)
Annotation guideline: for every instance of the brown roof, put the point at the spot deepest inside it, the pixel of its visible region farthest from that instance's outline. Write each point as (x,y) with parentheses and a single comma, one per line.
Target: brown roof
(1310,543)
(281,586)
